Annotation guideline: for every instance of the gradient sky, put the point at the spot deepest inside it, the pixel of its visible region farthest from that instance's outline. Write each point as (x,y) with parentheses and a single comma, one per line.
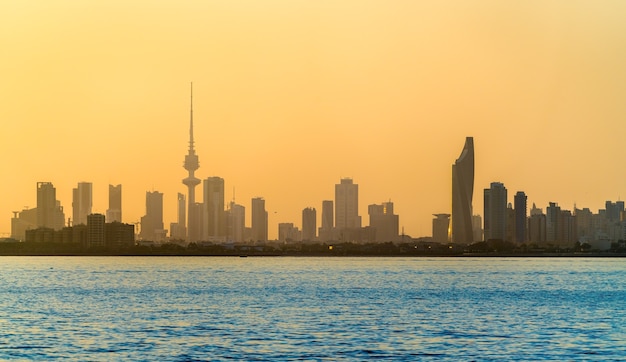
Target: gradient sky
(292,95)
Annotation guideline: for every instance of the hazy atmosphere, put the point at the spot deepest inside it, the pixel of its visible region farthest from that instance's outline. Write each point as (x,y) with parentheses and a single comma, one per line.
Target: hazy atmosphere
(291,96)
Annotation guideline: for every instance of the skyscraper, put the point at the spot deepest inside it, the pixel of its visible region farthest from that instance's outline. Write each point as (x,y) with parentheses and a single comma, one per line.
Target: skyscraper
(191,181)
(328,221)
(520,200)
(114,212)
(309,224)
(259,220)
(152,222)
(214,222)
(81,203)
(462,193)
(236,222)
(49,210)
(178,230)
(553,216)
(495,212)
(347,205)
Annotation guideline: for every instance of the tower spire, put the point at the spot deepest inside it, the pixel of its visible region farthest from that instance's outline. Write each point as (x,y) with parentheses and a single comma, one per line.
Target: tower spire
(191,150)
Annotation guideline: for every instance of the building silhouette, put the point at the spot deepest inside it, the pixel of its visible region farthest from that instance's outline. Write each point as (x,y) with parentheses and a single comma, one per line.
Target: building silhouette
(441,226)
(214,218)
(194,231)
(49,210)
(178,230)
(328,221)
(553,216)
(477,225)
(384,223)
(521,216)
(259,220)
(236,216)
(536,226)
(95,230)
(288,233)
(309,224)
(152,222)
(114,212)
(82,201)
(22,221)
(462,193)
(495,212)
(347,205)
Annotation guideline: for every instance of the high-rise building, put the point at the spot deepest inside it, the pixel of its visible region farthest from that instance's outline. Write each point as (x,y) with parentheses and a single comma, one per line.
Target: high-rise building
(384,222)
(49,210)
(259,220)
(236,222)
(152,222)
(82,202)
(584,228)
(309,224)
(114,212)
(553,215)
(537,226)
(462,193)
(495,212)
(214,221)
(328,223)
(347,205)
(441,225)
(178,230)
(95,230)
(194,228)
(521,216)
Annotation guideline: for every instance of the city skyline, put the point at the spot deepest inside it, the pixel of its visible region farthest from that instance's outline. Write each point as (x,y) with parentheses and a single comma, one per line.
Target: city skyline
(290,98)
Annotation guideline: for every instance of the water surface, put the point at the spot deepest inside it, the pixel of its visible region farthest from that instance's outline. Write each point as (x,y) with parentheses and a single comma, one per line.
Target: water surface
(286,308)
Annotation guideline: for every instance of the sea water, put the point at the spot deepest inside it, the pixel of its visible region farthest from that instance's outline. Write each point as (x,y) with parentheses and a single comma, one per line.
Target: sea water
(302,308)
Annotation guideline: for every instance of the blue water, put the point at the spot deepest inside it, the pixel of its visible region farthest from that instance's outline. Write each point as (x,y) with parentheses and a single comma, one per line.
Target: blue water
(196,308)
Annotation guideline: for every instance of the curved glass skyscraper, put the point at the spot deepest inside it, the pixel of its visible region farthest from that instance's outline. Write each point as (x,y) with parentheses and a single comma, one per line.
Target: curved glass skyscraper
(462,192)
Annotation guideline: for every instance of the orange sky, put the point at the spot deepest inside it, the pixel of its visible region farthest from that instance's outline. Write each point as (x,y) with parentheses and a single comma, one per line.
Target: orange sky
(290,96)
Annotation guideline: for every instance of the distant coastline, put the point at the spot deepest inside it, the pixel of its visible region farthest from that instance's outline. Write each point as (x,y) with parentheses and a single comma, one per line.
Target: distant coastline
(275,250)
